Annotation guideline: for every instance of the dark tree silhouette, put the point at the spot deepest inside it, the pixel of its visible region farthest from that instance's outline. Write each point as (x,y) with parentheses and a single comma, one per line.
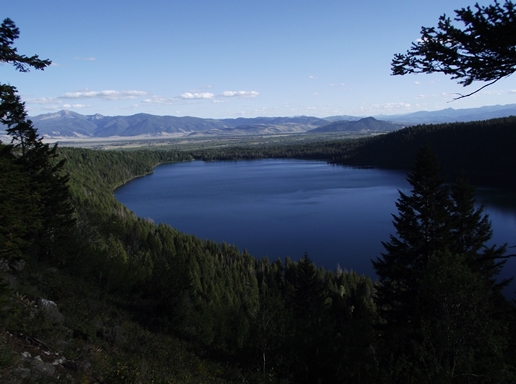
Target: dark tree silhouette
(8,54)
(39,162)
(437,296)
(12,111)
(484,50)
(422,229)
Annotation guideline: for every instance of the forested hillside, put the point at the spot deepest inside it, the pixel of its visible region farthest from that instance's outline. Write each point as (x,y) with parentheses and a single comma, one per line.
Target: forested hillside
(248,313)
(480,149)
(150,293)
(253,313)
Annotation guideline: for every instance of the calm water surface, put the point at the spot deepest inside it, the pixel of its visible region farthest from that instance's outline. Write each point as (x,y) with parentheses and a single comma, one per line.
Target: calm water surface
(338,215)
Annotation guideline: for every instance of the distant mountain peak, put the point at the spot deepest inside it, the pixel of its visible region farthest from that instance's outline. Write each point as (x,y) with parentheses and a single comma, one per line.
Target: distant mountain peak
(66,113)
(59,114)
(366,124)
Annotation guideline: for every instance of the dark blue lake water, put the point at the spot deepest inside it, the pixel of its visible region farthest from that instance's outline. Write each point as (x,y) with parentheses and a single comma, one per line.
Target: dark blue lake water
(338,215)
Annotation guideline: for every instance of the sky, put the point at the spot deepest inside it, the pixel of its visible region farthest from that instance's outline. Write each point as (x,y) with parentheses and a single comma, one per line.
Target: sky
(232,58)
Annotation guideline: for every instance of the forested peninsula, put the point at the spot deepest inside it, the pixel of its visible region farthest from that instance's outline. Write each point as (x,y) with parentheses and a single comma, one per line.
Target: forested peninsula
(116,298)
(479,150)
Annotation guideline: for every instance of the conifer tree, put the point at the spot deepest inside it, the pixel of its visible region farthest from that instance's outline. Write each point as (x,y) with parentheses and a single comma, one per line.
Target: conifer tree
(313,328)
(308,299)
(18,207)
(459,339)
(422,229)
(39,161)
(470,231)
(483,50)
(437,295)
(12,110)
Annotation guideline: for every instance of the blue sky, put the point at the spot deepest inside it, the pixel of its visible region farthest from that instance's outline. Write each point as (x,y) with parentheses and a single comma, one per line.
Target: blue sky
(231,58)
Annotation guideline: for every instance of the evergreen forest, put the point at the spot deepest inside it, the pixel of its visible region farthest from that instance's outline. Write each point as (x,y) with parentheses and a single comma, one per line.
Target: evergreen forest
(91,293)
(140,302)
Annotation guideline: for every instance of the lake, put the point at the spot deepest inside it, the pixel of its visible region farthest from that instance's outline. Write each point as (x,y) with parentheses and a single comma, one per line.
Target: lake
(276,207)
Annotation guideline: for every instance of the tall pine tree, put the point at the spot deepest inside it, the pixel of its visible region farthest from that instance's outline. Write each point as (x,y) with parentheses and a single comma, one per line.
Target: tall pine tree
(422,228)
(39,161)
(437,295)
(470,231)
(19,217)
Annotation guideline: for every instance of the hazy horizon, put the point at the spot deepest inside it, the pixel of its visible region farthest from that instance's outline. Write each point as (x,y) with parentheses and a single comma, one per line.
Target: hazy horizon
(273,116)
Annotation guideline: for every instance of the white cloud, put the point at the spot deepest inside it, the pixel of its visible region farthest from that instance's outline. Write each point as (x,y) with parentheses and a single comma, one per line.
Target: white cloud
(417,82)
(337,85)
(75,106)
(105,95)
(53,104)
(391,106)
(85,58)
(197,95)
(442,95)
(261,112)
(385,108)
(42,100)
(512,91)
(312,77)
(494,92)
(243,94)
(160,100)
(52,108)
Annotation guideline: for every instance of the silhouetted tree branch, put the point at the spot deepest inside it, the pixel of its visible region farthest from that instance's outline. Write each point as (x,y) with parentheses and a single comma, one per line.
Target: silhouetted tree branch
(484,50)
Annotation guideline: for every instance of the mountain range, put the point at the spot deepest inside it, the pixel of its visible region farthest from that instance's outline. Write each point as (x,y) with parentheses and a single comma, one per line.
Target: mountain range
(68,124)
(450,115)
